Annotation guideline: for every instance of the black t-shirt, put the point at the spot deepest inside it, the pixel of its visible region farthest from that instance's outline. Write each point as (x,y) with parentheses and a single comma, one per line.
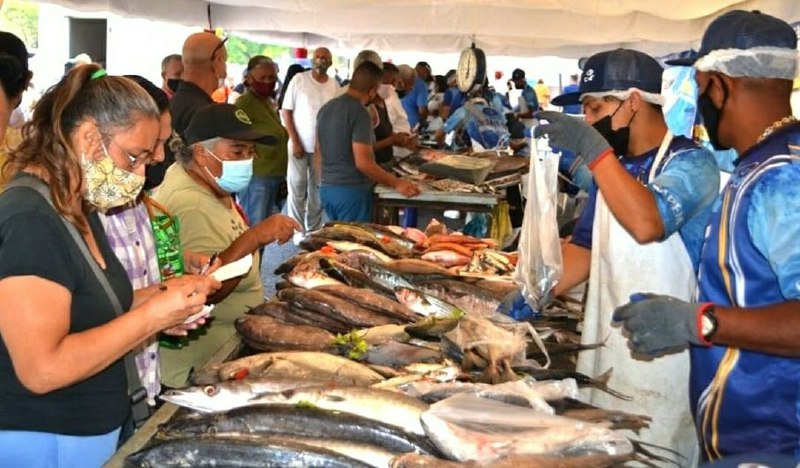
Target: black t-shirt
(383,130)
(34,241)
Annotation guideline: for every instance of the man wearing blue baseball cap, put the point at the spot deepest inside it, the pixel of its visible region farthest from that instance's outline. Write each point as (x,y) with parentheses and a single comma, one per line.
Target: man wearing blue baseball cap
(641,230)
(744,330)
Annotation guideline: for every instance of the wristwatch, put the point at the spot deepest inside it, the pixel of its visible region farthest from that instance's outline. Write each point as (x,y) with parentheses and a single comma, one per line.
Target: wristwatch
(708,323)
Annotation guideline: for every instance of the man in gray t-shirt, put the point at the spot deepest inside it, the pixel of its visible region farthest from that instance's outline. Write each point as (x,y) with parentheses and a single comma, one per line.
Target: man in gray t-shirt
(344,157)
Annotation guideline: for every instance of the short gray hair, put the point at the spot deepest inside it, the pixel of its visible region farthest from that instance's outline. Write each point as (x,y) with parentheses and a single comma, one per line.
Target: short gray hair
(367,55)
(184,153)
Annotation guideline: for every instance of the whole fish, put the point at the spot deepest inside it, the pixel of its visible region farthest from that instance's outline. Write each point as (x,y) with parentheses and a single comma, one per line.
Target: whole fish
(327,304)
(431,327)
(467,297)
(381,333)
(398,355)
(237,452)
(319,319)
(313,243)
(368,299)
(384,234)
(425,304)
(446,258)
(384,276)
(308,275)
(361,235)
(576,409)
(284,312)
(265,333)
(302,421)
(306,364)
(225,396)
(382,405)
(415,266)
(345,246)
(352,277)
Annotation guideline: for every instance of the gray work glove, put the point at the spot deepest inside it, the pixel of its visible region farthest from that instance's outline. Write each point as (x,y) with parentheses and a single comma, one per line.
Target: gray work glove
(657,324)
(571,133)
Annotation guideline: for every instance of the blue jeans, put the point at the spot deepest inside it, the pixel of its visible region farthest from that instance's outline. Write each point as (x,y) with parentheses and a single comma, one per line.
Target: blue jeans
(347,202)
(259,199)
(48,450)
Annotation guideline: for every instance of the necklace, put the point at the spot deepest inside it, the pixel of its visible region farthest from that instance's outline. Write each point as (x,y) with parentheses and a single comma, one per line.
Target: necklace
(775,126)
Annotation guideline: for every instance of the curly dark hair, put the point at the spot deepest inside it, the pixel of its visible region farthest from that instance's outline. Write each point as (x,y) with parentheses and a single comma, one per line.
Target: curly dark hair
(114,103)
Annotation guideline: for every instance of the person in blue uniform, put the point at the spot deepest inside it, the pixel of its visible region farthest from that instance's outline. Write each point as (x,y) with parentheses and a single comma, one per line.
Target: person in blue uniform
(744,329)
(642,228)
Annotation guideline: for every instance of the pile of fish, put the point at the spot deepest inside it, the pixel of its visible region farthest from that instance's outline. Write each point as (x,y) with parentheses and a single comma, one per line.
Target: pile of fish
(506,171)
(376,352)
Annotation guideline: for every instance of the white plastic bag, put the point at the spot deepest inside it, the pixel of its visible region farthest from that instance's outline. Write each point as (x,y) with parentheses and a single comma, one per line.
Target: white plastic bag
(539,267)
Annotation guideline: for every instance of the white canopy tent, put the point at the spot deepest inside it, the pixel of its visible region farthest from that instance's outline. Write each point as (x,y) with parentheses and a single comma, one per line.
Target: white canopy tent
(527,28)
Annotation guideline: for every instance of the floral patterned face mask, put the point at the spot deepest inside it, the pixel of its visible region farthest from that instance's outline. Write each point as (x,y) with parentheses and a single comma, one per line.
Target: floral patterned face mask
(106,185)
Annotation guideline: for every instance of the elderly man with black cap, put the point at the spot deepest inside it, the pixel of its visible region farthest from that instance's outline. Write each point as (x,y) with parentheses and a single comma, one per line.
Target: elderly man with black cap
(744,328)
(641,230)
(217,163)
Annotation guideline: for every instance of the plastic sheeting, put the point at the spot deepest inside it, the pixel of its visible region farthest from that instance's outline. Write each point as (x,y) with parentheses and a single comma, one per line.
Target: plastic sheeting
(567,28)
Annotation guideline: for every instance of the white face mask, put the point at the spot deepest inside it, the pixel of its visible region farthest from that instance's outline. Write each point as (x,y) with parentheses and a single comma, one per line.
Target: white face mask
(385,91)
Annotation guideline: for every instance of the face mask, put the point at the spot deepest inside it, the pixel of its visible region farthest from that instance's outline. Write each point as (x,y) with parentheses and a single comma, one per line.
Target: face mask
(263,89)
(321,64)
(711,117)
(107,186)
(619,138)
(235,176)
(401,93)
(172,84)
(385,91)
(154,175)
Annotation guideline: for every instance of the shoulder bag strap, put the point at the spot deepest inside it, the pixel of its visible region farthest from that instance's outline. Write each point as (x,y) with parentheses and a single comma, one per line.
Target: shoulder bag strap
(136,391)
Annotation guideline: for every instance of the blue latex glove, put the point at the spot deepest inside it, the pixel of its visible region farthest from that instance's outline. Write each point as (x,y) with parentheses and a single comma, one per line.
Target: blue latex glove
(572,134)
(515,306)
(657,324)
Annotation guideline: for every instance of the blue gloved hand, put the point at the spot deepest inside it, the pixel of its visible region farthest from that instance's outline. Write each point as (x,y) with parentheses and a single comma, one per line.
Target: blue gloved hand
(657,324)
(515,306)
(571,133)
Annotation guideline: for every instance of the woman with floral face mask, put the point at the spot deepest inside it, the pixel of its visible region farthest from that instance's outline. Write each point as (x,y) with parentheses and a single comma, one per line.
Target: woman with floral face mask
(259,199)
(63,392)
(217,163)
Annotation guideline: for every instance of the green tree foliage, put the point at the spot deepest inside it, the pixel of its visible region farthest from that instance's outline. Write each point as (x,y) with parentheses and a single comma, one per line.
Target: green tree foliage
(22,19)
(240,50)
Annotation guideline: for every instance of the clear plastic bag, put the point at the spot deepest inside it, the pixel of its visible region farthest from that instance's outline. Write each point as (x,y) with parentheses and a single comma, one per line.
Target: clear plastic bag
(539,267)
(468,427)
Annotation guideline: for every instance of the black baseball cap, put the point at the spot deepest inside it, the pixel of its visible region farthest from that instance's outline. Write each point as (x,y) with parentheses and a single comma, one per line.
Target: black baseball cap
(518,74)
(224,121)
(618,69)
(740,29)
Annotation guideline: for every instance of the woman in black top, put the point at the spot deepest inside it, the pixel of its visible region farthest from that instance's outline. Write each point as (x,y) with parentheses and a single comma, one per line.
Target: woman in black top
(63,390)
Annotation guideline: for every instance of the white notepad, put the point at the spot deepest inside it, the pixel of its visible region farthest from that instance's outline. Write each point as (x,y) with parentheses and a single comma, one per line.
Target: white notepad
(232,270)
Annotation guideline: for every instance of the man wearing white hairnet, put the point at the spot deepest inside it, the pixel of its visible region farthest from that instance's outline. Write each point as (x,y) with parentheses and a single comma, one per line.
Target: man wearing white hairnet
(641,230)
(744,329)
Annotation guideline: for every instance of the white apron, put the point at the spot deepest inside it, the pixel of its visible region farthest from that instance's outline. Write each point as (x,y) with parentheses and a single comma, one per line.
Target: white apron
(659,387)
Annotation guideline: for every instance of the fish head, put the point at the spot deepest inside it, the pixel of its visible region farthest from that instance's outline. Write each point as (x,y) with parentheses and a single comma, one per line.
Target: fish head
(210,398)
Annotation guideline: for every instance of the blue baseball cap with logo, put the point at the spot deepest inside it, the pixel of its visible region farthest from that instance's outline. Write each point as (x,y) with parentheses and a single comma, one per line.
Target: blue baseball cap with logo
(615,70)
(743,30)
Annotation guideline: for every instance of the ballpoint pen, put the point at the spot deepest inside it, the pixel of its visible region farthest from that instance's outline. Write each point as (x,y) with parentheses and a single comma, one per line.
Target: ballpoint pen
(211,261)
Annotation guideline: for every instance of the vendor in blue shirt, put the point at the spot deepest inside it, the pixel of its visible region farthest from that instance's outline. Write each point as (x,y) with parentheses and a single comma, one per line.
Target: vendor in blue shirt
(642,230)
(744,330)
(453,96)
(415,97)
(483,119)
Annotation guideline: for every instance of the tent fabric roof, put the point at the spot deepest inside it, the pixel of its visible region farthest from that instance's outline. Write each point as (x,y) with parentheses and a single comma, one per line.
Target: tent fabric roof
(566,28)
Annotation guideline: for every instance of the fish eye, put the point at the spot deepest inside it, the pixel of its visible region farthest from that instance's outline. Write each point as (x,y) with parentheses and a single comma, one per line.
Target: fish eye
(210,390)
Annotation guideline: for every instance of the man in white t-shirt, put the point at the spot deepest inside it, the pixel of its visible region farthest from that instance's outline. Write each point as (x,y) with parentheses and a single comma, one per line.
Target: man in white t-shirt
(306,94)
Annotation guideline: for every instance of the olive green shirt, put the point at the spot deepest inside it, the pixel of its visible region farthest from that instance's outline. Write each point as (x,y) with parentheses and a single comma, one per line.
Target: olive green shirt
(206,226)
(271,160)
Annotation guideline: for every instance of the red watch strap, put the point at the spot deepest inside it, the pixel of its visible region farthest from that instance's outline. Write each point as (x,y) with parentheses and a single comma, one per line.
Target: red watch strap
(700,313)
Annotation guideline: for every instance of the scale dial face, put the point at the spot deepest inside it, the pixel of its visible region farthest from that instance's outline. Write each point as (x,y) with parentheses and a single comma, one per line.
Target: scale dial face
(467,70)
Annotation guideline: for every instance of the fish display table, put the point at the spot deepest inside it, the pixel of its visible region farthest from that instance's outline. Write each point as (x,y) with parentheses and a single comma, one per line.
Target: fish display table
(229,350)
(391,200)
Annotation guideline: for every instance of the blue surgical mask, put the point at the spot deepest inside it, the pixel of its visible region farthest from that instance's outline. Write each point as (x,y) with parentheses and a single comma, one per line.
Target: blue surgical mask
(235,176)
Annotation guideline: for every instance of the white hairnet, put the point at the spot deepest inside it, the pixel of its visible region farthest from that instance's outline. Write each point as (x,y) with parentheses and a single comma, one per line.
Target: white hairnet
(757,62)
(652,98)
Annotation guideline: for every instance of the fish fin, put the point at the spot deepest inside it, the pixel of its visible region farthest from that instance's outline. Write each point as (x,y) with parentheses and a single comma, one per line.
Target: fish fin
(604,377)
(642,448)
(508,375)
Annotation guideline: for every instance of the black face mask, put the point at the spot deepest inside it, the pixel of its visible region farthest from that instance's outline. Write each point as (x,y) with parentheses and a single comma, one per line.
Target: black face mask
(711,116)
(401,93)
(619,138)
(172,84)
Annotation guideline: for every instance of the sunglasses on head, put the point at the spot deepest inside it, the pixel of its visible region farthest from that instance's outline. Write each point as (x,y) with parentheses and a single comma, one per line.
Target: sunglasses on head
(219,46)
